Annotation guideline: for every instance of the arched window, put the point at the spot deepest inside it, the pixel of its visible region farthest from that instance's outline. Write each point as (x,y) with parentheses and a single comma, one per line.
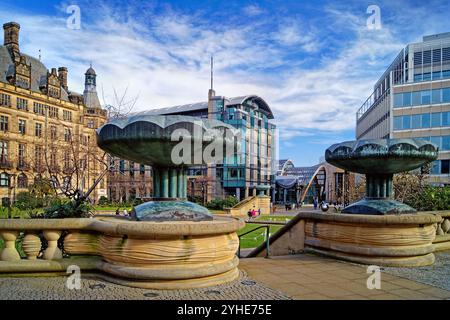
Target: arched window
(22,181)
(4,179)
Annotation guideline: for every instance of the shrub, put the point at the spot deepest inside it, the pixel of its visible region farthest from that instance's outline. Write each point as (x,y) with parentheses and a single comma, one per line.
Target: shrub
(103,201)
(64,208)
(220,204)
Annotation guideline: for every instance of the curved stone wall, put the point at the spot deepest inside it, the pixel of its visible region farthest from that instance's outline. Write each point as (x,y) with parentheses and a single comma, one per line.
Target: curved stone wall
(159,255)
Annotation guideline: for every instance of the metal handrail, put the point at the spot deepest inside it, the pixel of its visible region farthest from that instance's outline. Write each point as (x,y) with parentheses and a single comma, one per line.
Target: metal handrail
(267,239)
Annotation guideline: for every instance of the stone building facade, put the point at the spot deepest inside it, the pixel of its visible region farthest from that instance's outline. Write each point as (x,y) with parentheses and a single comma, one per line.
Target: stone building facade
(46,130)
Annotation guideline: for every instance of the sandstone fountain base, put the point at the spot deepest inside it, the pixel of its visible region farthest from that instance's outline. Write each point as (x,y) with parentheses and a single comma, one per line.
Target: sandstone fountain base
(385,240)
(144,254)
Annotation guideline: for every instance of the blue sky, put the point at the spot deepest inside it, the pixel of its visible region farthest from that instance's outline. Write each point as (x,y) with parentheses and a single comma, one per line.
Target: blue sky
(314,62)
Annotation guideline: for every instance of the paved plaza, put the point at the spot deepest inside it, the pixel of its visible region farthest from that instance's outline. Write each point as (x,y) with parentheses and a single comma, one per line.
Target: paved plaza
(301,276)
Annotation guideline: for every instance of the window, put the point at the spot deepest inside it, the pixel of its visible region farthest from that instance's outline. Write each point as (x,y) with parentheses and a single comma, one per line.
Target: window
(3,151)
(38,130)
(445,166)
(22,154)
(416,98)
(67,115)
(407,99)
(131,168)
(38,154)
(406,122)
(446,95)
(4,180)
(445,119)
(416,121)
(66,160)
(3,123)
(122,166)
(425,97)
(436,141)
(398,100)
(22,126)
(39,108)
(22,104)
(142,169)
(436,119)
(53,133)
(435,167)
(91,124)
(5,100)
(22,181)
(53,112)
(425,120)
(67,134)
(436,96)
(445,143)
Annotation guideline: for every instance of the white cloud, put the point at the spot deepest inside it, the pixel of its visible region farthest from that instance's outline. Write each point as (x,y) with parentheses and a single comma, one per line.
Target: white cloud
(164,58)
(253,10)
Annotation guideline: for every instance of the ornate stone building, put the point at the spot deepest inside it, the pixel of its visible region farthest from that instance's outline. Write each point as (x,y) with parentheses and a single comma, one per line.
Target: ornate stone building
(46,130)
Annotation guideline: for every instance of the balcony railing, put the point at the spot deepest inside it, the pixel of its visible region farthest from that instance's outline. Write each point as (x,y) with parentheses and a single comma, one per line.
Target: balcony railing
(5,164)
(22,165)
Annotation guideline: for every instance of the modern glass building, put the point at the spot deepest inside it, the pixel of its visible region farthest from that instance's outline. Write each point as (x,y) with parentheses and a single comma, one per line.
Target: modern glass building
(412,99)
(248,169)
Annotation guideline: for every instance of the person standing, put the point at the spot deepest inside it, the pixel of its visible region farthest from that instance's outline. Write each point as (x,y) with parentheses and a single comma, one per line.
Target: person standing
(315,203)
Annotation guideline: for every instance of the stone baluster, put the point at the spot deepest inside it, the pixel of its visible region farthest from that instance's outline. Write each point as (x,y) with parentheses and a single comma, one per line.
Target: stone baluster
(52,252)
(9,252)
(31,245)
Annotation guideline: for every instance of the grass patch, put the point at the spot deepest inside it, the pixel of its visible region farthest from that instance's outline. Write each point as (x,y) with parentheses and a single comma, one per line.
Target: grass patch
(274,218)
(255,238)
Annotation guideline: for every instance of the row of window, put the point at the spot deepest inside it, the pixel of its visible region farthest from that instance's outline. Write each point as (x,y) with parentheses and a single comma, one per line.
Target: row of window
(22,181)
(441,167)
(435,56)
(38,156)
(421,121)
(38,129)
(38,108)
(443,142)
(131,168)
(428,76)
(423,97)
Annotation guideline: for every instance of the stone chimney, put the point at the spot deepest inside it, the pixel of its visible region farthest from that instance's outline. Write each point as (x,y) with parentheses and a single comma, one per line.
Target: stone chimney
(62,75)
(11,39)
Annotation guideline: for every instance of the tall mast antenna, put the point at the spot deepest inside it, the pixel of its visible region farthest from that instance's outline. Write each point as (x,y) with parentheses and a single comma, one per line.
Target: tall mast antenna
(212,71)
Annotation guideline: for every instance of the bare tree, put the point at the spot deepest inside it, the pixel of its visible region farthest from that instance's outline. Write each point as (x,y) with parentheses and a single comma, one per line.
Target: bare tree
(121,105)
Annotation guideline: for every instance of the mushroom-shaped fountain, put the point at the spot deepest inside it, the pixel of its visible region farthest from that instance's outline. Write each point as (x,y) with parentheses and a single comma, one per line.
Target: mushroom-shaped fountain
(174,243)
(379,159)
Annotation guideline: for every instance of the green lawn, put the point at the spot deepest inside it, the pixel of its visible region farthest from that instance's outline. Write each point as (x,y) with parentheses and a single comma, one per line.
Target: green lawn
(274,218)
(255,238)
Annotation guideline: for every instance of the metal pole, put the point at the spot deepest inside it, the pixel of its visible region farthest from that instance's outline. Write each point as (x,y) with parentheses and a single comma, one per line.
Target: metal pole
(267,241)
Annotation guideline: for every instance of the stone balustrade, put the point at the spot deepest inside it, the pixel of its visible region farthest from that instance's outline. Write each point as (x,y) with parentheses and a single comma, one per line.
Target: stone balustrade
(386,240)
(442,240)
(162,255)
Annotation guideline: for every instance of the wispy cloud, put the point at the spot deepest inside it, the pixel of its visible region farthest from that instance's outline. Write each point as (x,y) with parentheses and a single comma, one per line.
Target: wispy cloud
(314,73)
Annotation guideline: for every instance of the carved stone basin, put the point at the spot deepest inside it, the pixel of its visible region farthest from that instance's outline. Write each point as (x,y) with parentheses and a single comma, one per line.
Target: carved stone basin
(169,144)
(379,159)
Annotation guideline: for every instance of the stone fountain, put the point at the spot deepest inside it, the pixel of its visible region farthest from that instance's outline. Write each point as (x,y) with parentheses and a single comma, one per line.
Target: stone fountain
(376,230)
(379,159)
(188,247)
